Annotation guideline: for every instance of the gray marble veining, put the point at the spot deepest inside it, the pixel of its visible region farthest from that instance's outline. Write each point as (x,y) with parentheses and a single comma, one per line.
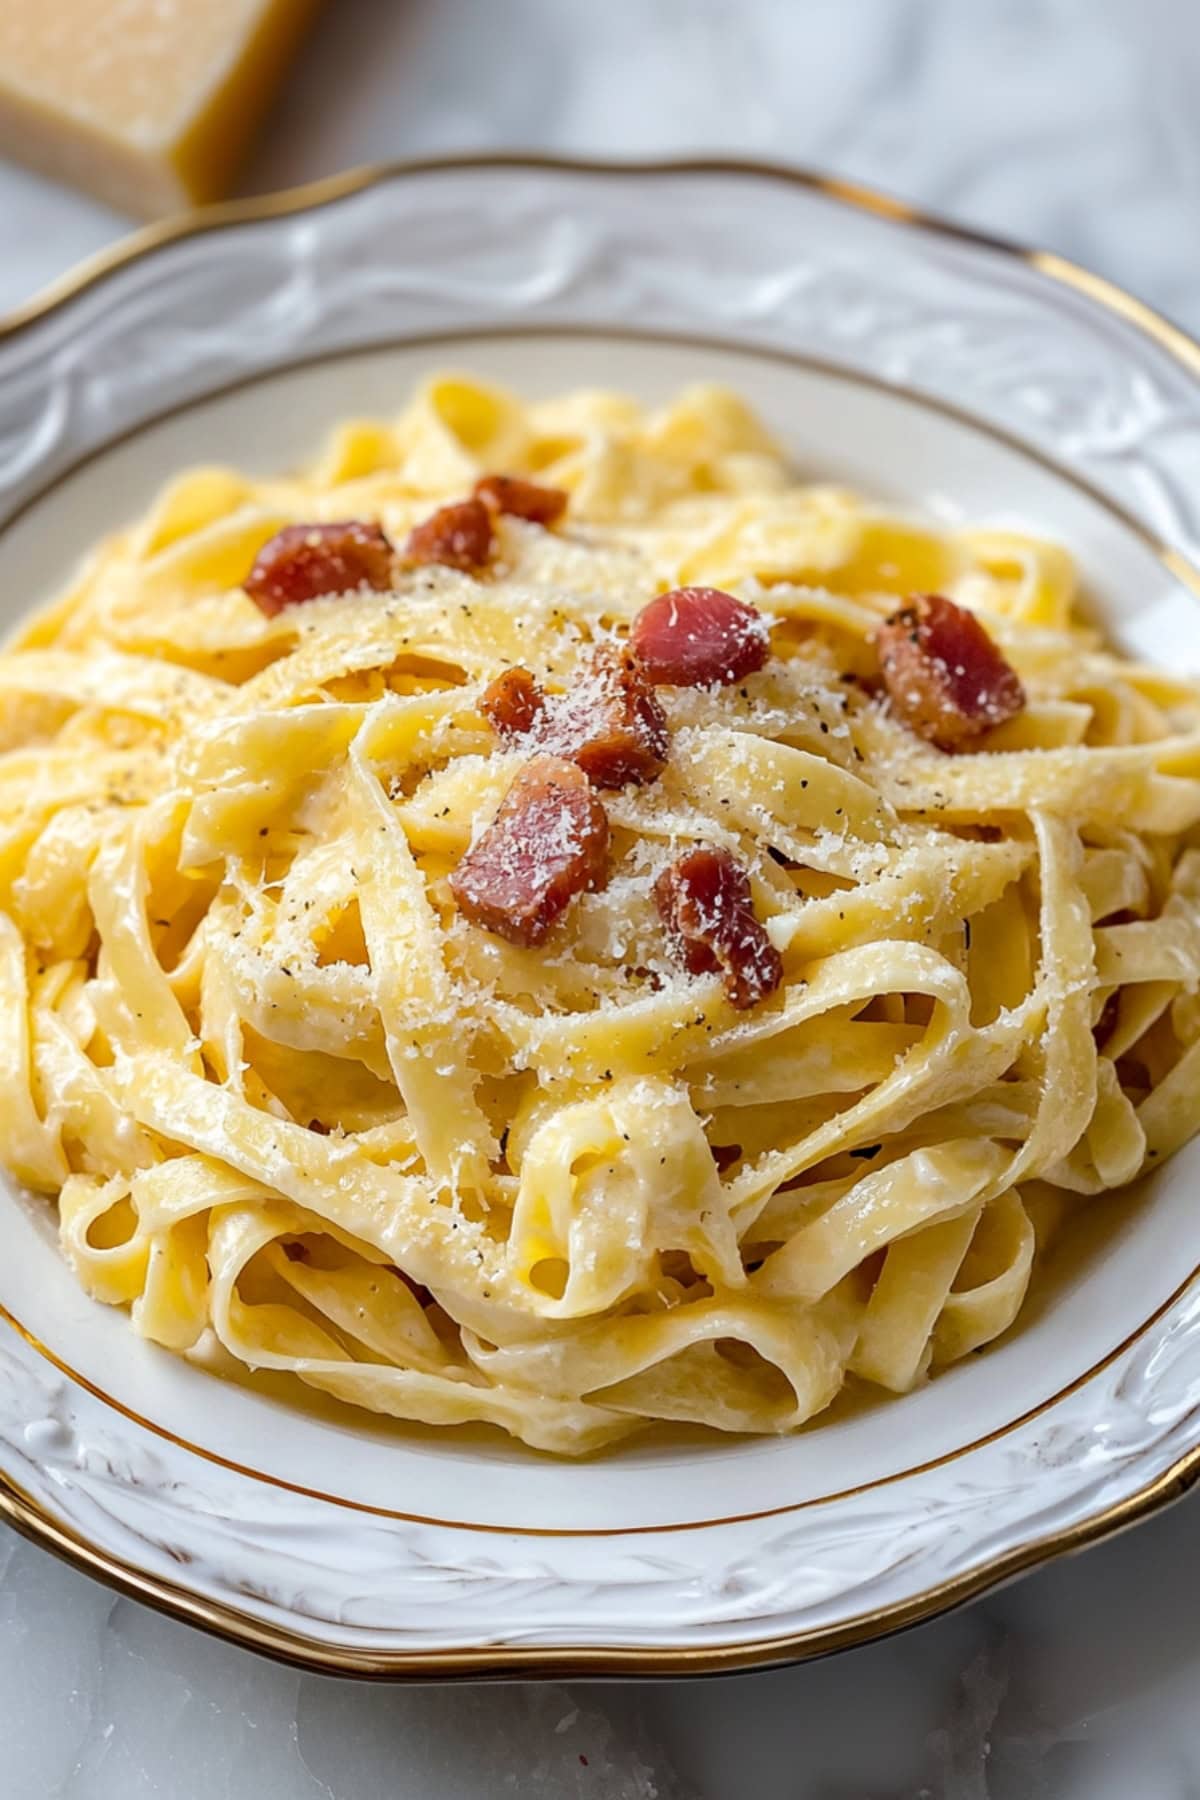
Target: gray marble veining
(1067,122)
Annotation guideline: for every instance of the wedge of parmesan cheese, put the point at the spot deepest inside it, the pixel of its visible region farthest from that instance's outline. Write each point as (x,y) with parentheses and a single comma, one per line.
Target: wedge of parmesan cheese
(149,104)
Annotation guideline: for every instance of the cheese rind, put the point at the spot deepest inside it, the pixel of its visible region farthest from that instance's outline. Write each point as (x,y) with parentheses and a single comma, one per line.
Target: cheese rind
(148,104)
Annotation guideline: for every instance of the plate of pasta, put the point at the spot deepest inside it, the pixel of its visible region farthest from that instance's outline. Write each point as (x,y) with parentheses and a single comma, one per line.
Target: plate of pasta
(599,927)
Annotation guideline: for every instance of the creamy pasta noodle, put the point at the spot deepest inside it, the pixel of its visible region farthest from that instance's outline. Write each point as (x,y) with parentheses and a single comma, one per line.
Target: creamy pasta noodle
(539,919)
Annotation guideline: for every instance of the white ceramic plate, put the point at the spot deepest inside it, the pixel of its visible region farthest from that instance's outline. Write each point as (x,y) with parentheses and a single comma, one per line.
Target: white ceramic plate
(945,372)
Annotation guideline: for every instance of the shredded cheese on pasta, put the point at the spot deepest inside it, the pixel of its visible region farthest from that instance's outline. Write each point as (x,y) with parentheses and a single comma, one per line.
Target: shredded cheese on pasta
(294,1104)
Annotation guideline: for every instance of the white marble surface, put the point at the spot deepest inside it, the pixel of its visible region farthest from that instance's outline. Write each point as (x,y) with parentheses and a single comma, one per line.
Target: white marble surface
(1069,122)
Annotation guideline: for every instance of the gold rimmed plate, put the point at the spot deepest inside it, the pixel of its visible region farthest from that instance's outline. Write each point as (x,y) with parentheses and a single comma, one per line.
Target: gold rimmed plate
(935,368)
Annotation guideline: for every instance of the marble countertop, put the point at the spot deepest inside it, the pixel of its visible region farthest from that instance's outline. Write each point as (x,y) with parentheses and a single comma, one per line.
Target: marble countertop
(1071,123)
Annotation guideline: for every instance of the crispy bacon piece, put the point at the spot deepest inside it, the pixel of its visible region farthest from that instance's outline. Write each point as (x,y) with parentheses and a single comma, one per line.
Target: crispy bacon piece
(704,901)
(695,637)
(458,536)
(512,703)
(610,723)
(946,679)
(523,499)
(302,562)
(548,842)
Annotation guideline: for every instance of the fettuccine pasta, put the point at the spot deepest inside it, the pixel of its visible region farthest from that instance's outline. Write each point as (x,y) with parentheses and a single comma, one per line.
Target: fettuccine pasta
(609,1152)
